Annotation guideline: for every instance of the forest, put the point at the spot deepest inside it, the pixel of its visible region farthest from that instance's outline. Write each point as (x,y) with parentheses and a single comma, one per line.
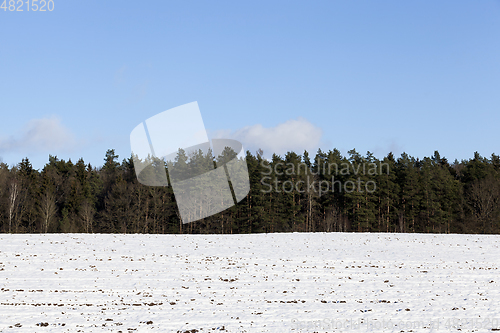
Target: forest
(292,193)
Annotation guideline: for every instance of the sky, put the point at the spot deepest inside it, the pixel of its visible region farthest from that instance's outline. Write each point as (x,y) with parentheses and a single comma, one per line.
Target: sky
(378,76)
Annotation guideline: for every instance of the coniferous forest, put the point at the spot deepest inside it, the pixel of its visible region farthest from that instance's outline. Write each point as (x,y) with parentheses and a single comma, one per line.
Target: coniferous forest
(327,192)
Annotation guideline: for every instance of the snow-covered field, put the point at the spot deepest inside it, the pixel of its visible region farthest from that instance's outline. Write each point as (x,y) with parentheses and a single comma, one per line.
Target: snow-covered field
(249,283)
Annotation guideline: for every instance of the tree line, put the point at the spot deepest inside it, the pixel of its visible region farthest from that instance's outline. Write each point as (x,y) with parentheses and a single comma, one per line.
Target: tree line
(292,193)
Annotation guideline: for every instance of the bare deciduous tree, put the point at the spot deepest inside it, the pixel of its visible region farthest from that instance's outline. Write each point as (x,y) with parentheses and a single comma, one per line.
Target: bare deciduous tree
(13,195)
(87,212)
(484,198)
(47,209)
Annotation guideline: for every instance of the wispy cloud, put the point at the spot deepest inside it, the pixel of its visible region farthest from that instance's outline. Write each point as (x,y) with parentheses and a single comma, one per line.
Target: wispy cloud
(120,75)
(390,146)
(293,135)
(40,135)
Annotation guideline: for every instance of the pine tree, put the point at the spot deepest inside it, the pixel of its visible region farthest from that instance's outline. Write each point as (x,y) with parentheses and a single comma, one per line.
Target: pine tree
(388,193)
(407,176)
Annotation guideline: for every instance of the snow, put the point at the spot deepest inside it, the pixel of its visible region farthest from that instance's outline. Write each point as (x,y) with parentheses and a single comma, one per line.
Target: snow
(296,282)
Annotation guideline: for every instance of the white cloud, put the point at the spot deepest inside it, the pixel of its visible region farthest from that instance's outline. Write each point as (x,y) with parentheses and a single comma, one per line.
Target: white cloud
(293,135)
(46,134)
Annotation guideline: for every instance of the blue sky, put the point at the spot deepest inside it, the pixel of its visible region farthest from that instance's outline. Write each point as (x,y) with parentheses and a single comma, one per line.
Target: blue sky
(372,75)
